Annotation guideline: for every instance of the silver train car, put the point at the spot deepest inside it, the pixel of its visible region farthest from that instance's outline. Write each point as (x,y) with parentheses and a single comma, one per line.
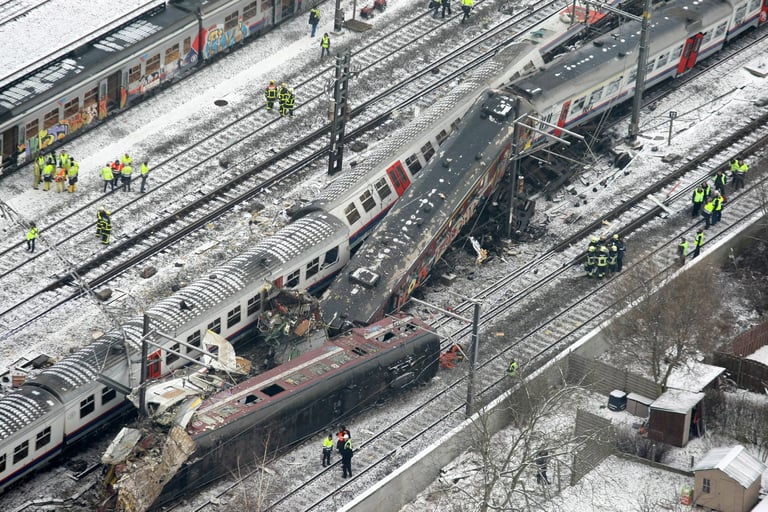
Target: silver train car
(583,84)
(106,75)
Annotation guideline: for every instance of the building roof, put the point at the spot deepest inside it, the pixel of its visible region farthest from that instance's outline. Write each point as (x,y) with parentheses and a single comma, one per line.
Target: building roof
(693,376)
(677,400)
(735,462)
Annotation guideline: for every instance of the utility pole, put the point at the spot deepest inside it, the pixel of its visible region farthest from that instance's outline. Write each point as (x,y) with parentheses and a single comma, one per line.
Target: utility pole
(143,378)
(516,193)
(642,60)
(642,66)
(338,18)
(474,351)
(339,106)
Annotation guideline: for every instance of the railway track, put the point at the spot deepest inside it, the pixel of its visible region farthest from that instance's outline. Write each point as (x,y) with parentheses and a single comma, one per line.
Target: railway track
(243,181)
(11,10)
(553,307)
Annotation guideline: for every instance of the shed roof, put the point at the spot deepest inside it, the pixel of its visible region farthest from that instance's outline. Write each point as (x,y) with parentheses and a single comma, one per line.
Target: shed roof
(693,376)
(735,462)
(677,400)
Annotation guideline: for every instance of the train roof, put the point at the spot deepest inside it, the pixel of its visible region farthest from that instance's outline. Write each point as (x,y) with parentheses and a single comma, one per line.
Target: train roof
(605,56)
(23,407)
(67,376)
(308,370)
(89,59)
(419,214)
(261,265)
(446,107)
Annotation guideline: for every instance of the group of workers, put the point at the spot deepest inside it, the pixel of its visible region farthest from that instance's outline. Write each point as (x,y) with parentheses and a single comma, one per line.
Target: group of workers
(343,446)
(61,170)
(466,7)
(709,203)
(120,174)
(603,257)
(283,95)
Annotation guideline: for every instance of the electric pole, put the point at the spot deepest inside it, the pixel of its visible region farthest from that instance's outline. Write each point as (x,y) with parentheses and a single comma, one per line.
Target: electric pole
(339,106)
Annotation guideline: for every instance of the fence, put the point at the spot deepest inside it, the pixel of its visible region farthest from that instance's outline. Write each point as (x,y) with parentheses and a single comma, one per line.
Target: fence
(599,438)
(748,374)
(603,378)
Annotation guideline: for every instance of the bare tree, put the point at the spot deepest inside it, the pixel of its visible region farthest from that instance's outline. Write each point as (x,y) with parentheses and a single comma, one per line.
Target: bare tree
(518,468)
(666,327)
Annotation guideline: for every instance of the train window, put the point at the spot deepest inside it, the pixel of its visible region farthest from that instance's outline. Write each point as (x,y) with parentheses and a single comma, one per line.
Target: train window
(413,163)
(91,97)
(612,88)
(43,438)
(428,151)
(441,137)
(152,64)
(87,406)
(292,281)
(663,60)
(170,357)
(707,38)
(369,203)
(382,187)
(31,129)
(595,96)
(455,125)
(71,107)
(20,452)
(215,326)
(265,5)
(187,46)
(578,105)
(250,10)
(754,5)
(254,305)
(230,21)
(273,390)
(313,267)
(233,317)
(650,66)
(352,214)
(134,73)
(51,118)
(107,395)
(740,12)
(194,339)
(632,75)
(677,53)
(2,463)
(721,28)
(172,54)
(331,256)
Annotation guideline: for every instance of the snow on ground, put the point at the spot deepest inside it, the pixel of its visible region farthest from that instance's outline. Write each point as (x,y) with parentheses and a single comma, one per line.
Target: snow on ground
(56,24)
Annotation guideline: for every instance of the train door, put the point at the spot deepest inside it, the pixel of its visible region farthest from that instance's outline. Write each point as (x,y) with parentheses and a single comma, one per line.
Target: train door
(690,53)
(9,141)
(398,177)
(112,92)
(563,117)
(287,8)
(154,365)
(764,12)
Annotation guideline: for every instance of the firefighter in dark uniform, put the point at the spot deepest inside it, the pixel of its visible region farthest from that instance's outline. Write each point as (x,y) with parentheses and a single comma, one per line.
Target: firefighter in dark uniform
(602,261)
(103,224)
(282,95)
(271,94)
(720,180)
(289,104)
(591,263)
(613,259)
(621,246)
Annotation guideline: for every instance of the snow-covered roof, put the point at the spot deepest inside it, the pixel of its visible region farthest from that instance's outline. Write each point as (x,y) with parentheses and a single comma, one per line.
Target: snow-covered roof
(735,462)
(693,377)
(677,400)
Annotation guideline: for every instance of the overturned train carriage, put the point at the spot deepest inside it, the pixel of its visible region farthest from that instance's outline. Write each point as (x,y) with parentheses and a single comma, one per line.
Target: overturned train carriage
(270,412)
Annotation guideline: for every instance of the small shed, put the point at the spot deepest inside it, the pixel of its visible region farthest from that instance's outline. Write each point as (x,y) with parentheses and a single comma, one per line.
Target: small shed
(672,417)
(727,479)
(639,405)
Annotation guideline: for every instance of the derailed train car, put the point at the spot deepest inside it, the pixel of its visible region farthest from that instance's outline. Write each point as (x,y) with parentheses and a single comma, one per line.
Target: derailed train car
(271,412)
(398,256)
